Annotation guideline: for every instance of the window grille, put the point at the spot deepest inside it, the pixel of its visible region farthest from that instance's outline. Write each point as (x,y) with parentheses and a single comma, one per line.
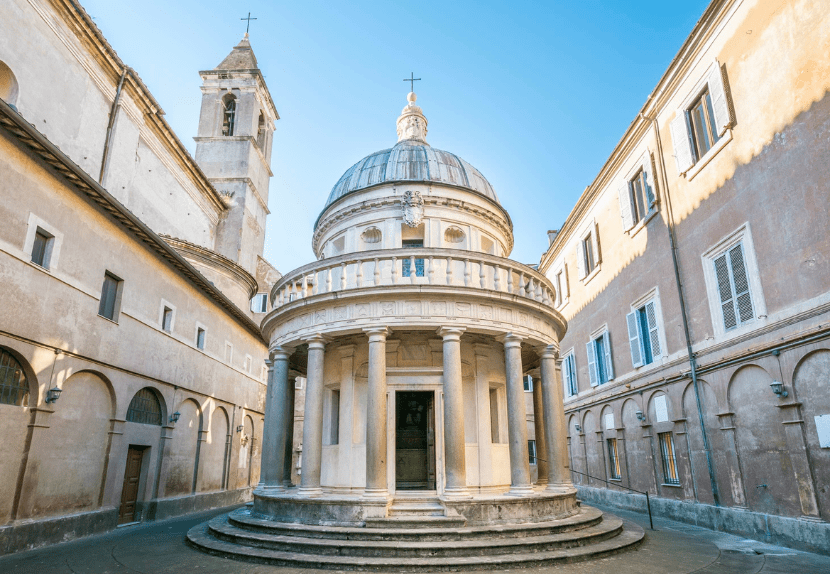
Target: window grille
(613,459)
(670,475)
(733,288)
(145,408)
(14,387)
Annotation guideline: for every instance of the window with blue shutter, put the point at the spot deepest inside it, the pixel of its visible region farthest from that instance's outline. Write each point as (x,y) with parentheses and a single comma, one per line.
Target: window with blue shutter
(643,335)
(600,365)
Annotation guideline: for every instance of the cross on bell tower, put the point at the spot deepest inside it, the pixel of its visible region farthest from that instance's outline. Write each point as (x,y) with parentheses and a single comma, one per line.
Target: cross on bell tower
(248,27)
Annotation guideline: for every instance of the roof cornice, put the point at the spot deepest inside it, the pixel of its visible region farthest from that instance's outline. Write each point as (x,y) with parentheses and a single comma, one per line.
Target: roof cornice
(40,146)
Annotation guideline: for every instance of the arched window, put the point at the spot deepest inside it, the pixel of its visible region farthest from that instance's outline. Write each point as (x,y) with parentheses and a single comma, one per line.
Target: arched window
(145,408)
(14,387)
(261,132)
(229,115)
(8,85)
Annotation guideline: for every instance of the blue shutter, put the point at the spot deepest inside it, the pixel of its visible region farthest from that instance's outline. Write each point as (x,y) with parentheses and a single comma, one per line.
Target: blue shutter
(725,292)
(743,299)
(609,367)
(634,339)
(653,334)
(592,364)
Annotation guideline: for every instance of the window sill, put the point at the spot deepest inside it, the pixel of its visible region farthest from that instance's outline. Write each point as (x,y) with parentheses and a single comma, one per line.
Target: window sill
(696,168)
(615,479)
(672,485)
(643,222)
(108,319)
(592,274)
(562,304)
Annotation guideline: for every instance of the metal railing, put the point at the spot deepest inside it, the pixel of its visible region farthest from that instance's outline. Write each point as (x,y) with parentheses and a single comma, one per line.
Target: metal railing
(648,501)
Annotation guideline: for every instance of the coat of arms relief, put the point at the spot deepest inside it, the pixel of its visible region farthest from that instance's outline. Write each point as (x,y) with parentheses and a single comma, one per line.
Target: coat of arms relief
(413,208)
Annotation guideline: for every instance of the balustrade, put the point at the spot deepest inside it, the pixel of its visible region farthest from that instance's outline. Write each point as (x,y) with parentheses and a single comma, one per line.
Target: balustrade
(422,266)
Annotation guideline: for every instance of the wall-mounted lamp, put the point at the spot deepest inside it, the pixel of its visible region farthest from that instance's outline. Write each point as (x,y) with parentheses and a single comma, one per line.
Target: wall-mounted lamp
(778,389)
(174,418)
(578,428)
(53,395)
(640,416)
(240,428)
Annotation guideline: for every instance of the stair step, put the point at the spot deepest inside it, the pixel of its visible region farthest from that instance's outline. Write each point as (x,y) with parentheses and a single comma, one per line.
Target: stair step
(381,529)
(415,522)
(200,538)
(220,528)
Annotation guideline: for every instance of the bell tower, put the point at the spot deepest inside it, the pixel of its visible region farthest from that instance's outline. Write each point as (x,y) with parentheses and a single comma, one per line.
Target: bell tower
(233,148)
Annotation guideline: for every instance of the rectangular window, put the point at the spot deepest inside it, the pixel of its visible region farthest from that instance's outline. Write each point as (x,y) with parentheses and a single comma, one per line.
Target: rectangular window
(228,352)
(670,475)
(643,334)
(110,295)
(733,287)
(569,375)
(494,416)
(167,319)
(600,367)
(334,417)
(557,283)
(200,338)
(406,263)
(249,363)
(259,304)
(613,459)
(531,451)
(42,248)
(702,117)
(528,383)
(588,253)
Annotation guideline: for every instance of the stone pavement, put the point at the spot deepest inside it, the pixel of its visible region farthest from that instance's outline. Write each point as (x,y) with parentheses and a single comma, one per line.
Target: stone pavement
(159,548)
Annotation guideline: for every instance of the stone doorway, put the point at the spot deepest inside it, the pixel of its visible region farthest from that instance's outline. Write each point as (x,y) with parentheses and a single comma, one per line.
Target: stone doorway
(415,440)
(129,492)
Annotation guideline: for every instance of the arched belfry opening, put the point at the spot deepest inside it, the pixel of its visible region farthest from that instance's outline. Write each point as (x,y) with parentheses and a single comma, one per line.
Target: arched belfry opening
(228,115)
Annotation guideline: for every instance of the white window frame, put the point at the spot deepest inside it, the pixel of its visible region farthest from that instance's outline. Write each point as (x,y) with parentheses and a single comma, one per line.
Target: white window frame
(714,81)
(256,298)
(53,247)
(570,354)
(742,234)
(165,303)
(531,451)
(563,290)
(196,336)
(527,383)
(652,296)
(625,194)
(228,352)
(602,332)
(249,363)
(591,229)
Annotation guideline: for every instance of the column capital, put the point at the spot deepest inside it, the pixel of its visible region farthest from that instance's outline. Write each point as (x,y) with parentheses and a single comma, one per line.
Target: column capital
(548,351)
(278,353)
(510,340)
(377,334)
(316,341)
(450,333)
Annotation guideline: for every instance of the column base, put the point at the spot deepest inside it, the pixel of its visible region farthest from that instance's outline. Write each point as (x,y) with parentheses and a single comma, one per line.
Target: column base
(310,492)
(457,493)
(287,484)
(521,490)
(375,494)
(266,489)
(559,487)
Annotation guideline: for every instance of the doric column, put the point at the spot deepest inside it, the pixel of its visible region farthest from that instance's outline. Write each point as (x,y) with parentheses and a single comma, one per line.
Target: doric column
(541,432)
(273,434)
(556,427)
(454,447)
(313,419)
(516,416)
(288,461)
(376,415)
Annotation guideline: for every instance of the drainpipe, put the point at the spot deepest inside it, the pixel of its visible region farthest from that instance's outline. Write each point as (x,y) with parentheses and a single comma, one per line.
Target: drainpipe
(115,102)
(683,313)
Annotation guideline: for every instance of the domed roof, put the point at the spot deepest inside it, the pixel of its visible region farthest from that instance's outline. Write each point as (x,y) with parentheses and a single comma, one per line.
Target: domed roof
(412,159)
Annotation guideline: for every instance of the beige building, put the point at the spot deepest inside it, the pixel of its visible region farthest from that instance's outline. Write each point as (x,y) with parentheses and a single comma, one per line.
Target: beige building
(132,366)
(694,277)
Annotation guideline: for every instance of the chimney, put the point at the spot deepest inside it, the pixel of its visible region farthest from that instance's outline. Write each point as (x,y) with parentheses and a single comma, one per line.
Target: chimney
(552,233)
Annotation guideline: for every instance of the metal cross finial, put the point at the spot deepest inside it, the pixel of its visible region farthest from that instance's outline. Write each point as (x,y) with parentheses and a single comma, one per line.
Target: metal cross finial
(412,79)
(248,28)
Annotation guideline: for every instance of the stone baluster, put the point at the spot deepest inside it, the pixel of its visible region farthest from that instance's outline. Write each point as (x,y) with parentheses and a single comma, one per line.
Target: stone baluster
(412,270)
(539,290)
(359,274)
(280,297)
(376,422)
(516,417)
(449,271)
(289,289)
(313,419)
(522,291)
(431,273)
(467,274)
(315,283)
(394,270)
(510,280)
(304,289)
(497,278)
(376,273)
(327,271)
(454,447)
(481,274)
(343,276)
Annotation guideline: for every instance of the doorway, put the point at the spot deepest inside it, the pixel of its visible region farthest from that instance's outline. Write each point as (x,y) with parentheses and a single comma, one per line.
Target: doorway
(414,440)
(129,492)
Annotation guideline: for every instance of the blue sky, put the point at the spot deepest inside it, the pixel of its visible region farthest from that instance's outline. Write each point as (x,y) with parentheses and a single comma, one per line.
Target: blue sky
(534,94)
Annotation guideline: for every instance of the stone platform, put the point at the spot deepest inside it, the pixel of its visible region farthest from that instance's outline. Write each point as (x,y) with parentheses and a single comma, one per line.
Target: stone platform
(505,532)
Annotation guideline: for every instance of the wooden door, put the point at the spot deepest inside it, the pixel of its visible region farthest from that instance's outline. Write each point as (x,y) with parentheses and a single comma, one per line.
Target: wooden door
(129,492)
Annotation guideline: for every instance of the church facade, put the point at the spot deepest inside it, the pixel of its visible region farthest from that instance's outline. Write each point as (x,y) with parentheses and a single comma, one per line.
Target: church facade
(132,365)
(694,278)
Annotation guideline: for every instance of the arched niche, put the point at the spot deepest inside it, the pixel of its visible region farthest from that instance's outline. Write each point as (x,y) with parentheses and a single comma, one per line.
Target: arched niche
(147,407)
(9,88)
(184,449)
(213,451)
